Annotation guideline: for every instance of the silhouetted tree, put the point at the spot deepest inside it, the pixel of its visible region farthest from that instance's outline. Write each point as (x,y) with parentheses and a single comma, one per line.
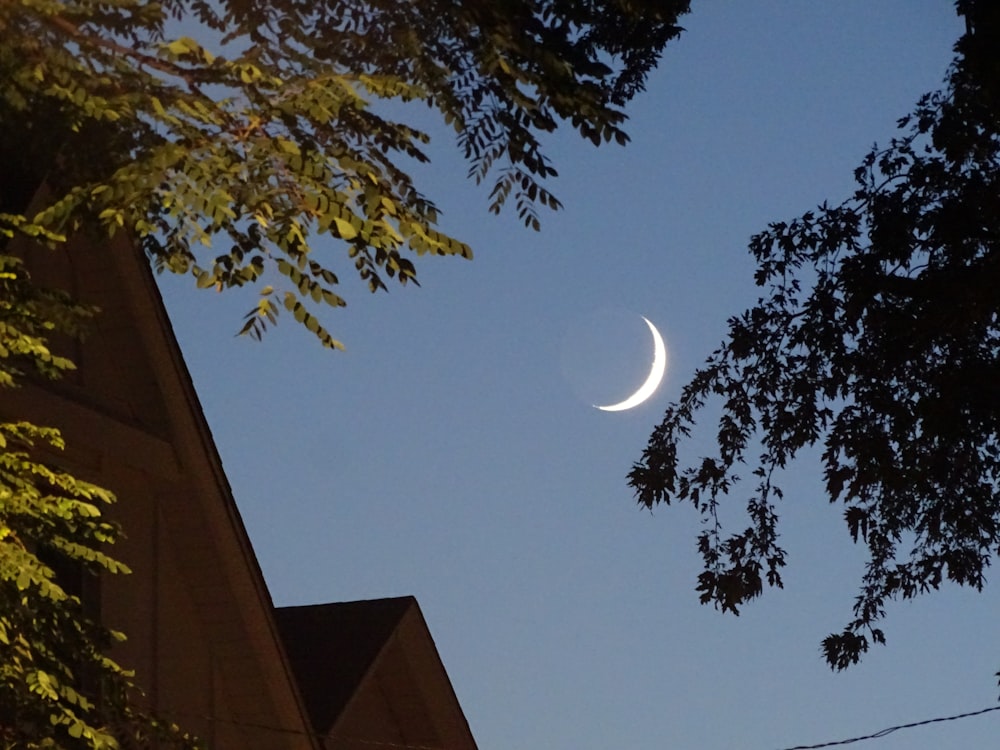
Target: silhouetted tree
(877,337)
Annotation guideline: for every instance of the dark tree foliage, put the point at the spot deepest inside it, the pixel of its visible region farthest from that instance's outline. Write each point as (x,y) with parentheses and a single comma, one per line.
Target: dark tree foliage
(878,339)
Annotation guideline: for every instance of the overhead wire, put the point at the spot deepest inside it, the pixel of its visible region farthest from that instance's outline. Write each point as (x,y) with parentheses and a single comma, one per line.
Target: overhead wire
(890,730)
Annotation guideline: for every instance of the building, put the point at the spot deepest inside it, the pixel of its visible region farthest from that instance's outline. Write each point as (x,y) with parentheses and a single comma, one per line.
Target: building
(209,649)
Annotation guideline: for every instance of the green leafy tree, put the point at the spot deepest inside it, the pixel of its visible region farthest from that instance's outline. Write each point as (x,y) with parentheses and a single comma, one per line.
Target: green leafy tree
(246,144)
(877,338)
(230,164)
(58,687)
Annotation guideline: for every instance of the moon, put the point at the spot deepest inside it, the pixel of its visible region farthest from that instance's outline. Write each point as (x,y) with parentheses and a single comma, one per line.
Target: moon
(656,373)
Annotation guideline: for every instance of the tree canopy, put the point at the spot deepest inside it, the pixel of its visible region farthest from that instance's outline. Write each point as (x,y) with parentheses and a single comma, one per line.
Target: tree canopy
(877,339)
(227,137)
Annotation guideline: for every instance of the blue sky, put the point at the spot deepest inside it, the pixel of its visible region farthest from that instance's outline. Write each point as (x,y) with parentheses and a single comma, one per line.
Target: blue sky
(452,453)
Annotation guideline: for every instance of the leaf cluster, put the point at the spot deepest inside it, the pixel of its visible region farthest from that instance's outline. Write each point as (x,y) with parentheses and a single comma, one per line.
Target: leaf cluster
(877,338)
(29,316)
(58,687)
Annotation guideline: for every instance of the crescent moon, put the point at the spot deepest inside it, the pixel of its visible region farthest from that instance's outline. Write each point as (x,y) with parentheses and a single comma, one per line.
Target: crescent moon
(648,388)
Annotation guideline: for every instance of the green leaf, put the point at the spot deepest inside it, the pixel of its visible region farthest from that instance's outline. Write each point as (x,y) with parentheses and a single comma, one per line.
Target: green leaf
(345,229)
(289,147)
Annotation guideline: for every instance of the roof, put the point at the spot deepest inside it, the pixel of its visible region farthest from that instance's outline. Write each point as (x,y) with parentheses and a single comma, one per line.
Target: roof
(332,647)
(369,672)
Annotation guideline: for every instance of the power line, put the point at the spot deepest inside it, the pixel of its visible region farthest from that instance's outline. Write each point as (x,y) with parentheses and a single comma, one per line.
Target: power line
(890,730)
